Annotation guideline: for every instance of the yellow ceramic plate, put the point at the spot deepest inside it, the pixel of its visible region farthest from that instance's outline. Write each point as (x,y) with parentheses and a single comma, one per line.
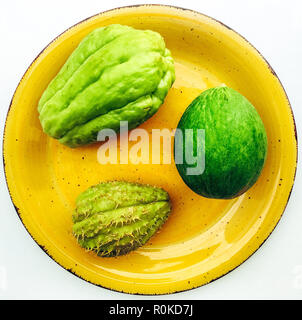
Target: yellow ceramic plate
(203,238)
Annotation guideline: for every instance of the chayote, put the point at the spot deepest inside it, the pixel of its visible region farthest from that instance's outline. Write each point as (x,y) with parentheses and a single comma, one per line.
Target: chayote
(114,218)
(117,73)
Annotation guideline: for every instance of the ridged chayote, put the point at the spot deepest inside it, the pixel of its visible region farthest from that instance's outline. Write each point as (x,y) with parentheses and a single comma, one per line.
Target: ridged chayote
(113,218)
(117,73)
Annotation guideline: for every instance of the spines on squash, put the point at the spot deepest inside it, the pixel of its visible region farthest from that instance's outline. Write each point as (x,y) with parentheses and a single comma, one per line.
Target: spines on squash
(117,217)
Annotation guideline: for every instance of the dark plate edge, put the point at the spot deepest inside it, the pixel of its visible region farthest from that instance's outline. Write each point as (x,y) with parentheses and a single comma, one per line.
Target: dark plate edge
(132,6)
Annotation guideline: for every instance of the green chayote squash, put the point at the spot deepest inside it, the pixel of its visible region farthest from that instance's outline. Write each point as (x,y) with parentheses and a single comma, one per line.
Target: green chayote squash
(117,73)
(116,217)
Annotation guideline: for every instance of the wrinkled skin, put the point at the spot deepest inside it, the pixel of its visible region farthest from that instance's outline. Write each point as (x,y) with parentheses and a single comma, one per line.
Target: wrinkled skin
(117,73)
(114,218)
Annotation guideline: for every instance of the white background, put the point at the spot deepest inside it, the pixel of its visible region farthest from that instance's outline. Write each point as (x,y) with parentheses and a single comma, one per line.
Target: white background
(274,27)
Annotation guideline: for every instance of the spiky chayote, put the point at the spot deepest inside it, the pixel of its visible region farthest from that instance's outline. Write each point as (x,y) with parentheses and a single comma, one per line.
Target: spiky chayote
(114,218)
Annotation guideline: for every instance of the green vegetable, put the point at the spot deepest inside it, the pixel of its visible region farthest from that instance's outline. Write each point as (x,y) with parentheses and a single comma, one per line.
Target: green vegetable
(117,73)
(235,143)
(114,218)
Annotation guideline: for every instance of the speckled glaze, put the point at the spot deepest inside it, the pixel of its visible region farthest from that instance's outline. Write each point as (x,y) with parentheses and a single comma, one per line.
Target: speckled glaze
(203,239)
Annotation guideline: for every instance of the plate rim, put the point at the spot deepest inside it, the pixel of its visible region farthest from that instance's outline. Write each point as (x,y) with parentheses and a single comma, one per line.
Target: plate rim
(141,6)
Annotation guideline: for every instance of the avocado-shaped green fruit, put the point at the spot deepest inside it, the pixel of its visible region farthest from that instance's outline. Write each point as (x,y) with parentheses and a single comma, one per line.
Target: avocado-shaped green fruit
(234,145)
(114,218)
(117,73)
